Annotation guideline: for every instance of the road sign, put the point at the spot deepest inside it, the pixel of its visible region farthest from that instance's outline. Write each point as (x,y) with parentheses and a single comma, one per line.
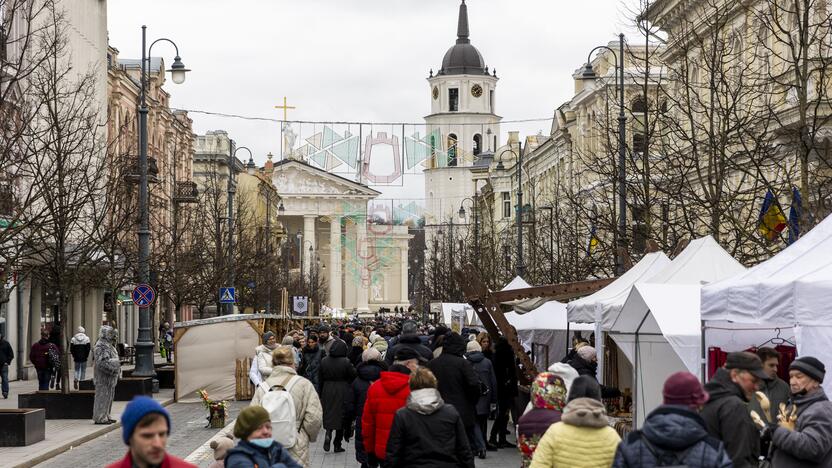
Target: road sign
(228,296)
(143,295)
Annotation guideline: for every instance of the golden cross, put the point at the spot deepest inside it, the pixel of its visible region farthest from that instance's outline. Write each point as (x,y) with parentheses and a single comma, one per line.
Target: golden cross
(285,108)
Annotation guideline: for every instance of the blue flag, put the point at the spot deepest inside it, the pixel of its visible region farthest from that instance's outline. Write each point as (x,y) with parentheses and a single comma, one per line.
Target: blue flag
(794,216)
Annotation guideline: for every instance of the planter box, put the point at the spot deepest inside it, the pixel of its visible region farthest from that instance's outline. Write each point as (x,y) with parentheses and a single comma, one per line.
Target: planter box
(22,427)
(73,405)
(126,388)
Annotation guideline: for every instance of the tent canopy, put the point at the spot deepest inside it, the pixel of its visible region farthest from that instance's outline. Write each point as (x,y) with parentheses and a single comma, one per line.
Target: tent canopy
(550,316)
(794,287)
(603,306)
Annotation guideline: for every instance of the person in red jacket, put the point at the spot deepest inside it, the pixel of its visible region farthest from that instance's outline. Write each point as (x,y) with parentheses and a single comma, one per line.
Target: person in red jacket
(145,429)
(39,355)
(386,396)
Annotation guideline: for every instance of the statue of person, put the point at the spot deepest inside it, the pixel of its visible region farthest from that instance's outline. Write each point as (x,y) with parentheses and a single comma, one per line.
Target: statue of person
(289,138)
(107,371)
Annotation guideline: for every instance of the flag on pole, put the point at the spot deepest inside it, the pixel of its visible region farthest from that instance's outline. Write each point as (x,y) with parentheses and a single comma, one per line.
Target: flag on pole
(794,216)
(592,242)
(771,221)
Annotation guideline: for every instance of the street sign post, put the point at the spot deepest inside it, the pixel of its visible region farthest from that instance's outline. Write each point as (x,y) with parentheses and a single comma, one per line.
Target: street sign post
(228,295)
(143,295)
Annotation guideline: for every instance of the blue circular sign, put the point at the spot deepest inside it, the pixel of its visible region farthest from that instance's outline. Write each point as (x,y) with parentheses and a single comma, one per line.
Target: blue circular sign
(143,295)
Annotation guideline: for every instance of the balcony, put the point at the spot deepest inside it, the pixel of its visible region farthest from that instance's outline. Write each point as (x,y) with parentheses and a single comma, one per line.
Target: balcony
(185,192)
(131,170)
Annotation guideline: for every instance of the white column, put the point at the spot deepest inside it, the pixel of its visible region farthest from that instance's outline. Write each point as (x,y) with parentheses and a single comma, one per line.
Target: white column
(362,294)
(403,259)
(35,305)
(308,240)
(335,262)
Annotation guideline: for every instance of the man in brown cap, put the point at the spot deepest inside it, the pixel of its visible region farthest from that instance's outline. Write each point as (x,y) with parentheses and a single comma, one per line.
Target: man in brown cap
(726,413)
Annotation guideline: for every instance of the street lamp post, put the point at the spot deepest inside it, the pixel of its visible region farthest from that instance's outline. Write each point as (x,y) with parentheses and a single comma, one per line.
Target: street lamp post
(589,74)
(551,211)
(232,154)
(476,221)
(144,342)
(521,266)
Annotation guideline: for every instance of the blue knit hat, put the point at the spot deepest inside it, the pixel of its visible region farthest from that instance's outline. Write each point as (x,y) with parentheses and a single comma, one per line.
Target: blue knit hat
(140,407)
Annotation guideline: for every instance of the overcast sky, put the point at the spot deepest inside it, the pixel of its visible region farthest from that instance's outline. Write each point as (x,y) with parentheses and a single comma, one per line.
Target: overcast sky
(359,60)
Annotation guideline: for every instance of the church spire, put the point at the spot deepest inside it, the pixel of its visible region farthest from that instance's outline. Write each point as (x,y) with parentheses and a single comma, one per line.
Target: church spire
(462,25)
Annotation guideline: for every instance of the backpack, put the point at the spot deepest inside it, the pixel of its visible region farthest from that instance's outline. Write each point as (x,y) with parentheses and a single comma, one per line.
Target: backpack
(667,459)
(54,357)
(279,403)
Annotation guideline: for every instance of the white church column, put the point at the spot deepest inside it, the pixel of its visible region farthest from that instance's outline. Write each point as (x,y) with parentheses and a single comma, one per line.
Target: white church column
(308,240)
(335,262)
(403,260)
(362,295)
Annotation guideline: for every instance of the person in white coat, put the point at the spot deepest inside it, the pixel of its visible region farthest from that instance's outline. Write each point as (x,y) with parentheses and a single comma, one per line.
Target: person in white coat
(263,355)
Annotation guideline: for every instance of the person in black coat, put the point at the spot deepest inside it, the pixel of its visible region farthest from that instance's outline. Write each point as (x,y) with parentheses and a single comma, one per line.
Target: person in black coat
(310,361)
(367,372)
(336,374)
(409,338)
(458,382)
(726,413)
(6,356)
(505,368)
(427,432)
(485,372)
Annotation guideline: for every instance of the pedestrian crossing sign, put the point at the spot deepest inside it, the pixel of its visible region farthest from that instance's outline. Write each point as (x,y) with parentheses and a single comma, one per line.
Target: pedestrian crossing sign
(228,296)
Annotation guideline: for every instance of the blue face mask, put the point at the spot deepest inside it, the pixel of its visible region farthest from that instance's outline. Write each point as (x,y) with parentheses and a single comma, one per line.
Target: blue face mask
(264,443)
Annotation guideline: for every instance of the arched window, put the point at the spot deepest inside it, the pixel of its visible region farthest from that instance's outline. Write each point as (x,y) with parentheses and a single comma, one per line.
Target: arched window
(477,144)
(452,149)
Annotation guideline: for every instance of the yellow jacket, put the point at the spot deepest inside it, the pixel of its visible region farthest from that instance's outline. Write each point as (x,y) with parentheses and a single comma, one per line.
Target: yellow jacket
(582,439)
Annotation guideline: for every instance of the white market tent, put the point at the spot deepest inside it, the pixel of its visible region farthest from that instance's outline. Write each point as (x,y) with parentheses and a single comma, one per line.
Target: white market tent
(658,327)
(792,290)
(602,307)
(547,326)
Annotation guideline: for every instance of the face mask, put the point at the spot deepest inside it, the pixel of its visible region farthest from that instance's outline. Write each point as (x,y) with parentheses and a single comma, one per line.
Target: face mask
(263,443)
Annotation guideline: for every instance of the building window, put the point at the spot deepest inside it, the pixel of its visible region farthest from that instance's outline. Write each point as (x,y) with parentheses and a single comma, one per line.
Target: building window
(452,149)
(453,99)
(477,144)
(506,205)
(491,100)
(433,150)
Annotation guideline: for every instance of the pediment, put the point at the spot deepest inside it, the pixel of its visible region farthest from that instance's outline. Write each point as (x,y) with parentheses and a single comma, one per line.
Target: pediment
(294,178)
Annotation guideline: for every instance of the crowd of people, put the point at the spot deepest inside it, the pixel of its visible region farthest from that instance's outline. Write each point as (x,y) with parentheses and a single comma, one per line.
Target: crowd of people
(419,396)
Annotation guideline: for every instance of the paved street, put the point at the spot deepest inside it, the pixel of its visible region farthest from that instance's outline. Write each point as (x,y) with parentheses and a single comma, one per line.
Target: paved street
(189,433)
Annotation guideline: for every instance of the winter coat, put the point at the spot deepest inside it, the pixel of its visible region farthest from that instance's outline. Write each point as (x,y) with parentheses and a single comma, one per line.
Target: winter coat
(308,409)
(310,363)
(384,398)
(457,382)
(264,360)
(39,354)
(728,419)
(247,455)
(485,372)
(381,345)
(810,444)
(354,355)
(505,368)
(335,375)
(547,398)
(409,341)
(168,462)
(582,439)
(6,352)
(79,347)
(777,392)
(676,435)
(428,433)
(366,373)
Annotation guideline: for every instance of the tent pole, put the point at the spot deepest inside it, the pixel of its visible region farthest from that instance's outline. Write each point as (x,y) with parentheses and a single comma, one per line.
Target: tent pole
(704,352)
(567,336)
(636,392)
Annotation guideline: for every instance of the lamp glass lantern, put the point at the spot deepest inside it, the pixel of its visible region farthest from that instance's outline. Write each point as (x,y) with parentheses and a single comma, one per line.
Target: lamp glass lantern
(178,70)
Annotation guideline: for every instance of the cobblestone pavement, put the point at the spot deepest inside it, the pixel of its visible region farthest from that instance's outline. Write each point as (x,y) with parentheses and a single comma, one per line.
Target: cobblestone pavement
(189,433)
(504,458)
